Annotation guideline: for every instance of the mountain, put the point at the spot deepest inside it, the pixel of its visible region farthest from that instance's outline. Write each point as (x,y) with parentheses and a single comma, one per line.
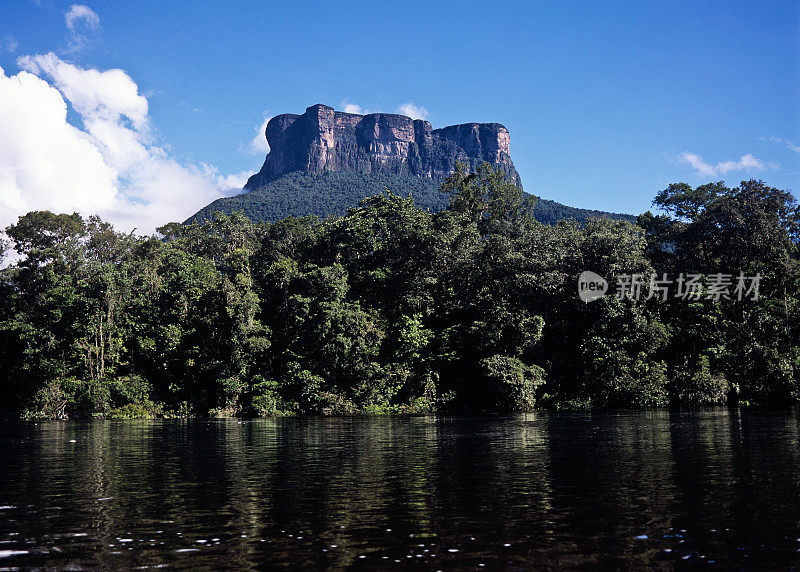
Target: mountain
(301,193)
(325,161)
(323,140)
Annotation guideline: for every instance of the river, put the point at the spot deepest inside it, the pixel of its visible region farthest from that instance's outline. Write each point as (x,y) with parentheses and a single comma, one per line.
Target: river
(716,487)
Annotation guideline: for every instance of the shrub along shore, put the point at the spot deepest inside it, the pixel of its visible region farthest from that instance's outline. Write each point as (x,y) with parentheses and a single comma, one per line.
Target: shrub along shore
(392,308)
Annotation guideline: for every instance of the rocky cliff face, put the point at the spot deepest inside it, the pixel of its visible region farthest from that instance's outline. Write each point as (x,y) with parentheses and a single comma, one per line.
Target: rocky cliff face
(323,140)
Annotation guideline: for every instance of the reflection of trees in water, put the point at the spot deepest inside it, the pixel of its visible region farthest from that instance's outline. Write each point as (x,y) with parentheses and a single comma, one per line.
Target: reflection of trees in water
(704,470)
(344,479)
(80,488)
(611,475)
(494,478)
(737,472)
(341,480)
(568,488)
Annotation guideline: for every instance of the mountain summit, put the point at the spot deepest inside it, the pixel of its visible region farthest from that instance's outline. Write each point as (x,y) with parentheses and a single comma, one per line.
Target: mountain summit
(324,162)
(322,140)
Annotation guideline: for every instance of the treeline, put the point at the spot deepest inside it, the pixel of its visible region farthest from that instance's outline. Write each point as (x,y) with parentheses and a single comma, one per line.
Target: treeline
(301,193)
(392,308)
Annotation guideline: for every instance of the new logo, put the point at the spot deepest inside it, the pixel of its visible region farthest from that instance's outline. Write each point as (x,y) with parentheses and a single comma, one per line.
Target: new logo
(591,286)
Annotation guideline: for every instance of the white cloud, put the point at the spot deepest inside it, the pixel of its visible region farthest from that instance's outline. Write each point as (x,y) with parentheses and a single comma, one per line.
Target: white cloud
(258,144)
(111,167)
(789,145)
(233,182)
(81,22)
(107,95)
(349,107)
(413,111)
(46,163)
(229,184)
(745,163)
(9,44)
(79,16)
(408,109)
(697,163)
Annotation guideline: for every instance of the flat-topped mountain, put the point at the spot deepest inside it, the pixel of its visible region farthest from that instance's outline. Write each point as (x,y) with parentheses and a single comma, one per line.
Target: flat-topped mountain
(324,162)
(322,140)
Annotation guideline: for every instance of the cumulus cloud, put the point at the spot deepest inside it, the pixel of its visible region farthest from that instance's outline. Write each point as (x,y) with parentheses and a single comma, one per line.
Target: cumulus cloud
(349,107)
(112,166)
(233,183)
(413,111)
(109,95)
(228,184)
(46,163)
(81,22)
(258,144)
(744,163)
(409,109)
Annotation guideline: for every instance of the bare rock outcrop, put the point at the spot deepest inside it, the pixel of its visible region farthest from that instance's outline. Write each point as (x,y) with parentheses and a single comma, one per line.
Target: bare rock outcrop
(323,140)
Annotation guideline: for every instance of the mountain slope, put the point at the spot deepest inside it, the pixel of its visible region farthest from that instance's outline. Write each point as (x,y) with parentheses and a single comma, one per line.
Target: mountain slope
(302,193)
(324,162)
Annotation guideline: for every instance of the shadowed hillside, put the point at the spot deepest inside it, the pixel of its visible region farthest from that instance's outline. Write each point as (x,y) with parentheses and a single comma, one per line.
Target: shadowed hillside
(302,193)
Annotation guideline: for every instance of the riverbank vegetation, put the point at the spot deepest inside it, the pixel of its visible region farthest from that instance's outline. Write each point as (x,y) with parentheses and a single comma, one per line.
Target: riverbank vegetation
(392,308)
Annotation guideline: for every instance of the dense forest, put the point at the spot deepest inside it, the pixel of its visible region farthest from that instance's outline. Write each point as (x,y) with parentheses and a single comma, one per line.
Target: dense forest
(393,308)
(301,193)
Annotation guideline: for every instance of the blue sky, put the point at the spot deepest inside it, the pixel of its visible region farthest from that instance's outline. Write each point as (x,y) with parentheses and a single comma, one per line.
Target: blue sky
(607,103)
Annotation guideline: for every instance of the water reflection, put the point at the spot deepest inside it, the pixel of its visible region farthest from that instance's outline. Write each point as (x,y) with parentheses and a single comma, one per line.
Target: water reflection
(577,490)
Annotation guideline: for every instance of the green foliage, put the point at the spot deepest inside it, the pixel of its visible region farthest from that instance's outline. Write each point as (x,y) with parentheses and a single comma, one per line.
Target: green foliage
(49,402)
(390,307)
(413,337)
(264,396)
(621,356)
(132,388)
(512,382)
(70,397)
(302,194)
(486,198)
(696,385)
(140,410)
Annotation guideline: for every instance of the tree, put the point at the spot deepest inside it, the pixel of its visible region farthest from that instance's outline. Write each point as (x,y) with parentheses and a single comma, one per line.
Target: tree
(488,198)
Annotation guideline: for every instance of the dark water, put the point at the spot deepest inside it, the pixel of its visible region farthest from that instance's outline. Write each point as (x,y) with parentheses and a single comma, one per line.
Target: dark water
(714,488)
